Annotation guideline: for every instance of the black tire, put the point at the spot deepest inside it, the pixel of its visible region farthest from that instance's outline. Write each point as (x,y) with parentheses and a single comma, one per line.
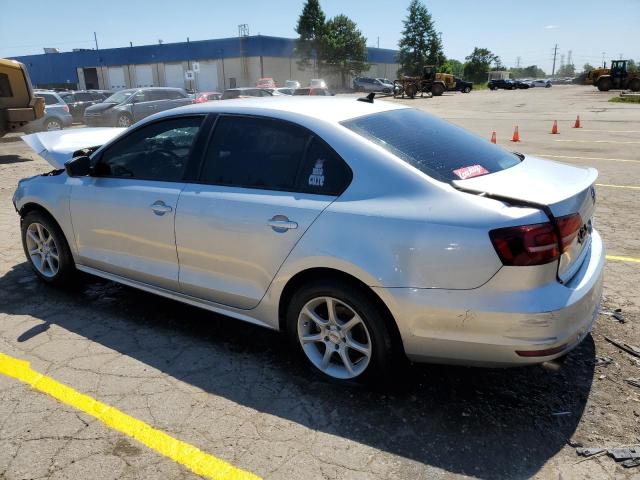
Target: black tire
(66,266)
(604,84)
(634,85)
(124,120)
(383,356)
(411,91)
(493,88)
(52,124)
(466,89)
(548,85)
(437,90)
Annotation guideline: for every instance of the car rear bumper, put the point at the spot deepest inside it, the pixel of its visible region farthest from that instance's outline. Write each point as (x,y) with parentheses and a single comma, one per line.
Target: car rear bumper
(488,325)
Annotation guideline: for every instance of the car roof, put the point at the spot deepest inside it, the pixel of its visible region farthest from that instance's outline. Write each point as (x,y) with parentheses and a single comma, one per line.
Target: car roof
(331,109)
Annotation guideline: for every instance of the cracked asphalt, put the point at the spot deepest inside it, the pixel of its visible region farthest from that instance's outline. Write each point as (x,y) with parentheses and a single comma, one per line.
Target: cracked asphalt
(234,391)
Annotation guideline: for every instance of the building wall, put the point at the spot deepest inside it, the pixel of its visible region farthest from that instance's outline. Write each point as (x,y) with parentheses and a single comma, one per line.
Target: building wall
(263,56)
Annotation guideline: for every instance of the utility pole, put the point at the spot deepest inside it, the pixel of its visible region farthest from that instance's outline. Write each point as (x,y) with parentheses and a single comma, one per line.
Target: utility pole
(603,54)
(378,41)
(95,38)
(518,62)
(553,69)
(569,59)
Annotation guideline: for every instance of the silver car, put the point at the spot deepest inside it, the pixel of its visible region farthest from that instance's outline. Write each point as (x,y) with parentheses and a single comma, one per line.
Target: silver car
(56,113)
(367,84)
(366,242)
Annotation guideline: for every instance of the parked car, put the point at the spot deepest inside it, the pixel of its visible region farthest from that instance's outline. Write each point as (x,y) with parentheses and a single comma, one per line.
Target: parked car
(318,83)
(368,84)
(364,240)
(126,107)
(461,86)
(522,84)
(541,83)
(245,92)
(293,84)
(267,82)
(281,91)
(79,100)
(202,97)
(56,113)
(312,91)
(505,84)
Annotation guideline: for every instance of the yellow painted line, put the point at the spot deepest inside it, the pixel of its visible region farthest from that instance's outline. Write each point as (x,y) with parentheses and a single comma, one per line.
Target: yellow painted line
(585,158)
(191,457)
(633,187)
(623,259)
(594,141)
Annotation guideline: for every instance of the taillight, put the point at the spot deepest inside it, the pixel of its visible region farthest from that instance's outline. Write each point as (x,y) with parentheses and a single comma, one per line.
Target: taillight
(65,108)
(535,244)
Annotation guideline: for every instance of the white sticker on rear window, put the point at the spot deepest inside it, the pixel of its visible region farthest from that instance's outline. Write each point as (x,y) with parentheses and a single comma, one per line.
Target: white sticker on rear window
(316,179)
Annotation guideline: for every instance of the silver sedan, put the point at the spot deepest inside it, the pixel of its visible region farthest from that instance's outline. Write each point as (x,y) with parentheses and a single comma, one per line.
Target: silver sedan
(367,242)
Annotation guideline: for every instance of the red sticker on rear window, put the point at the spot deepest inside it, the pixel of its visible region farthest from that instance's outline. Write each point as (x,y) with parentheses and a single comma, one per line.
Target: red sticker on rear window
(470,171)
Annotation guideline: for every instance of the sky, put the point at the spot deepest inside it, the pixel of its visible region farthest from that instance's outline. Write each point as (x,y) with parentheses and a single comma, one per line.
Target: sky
(511,29)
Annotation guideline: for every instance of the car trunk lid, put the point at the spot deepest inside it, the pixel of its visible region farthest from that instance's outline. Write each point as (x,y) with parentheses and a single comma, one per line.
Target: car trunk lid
(556,188)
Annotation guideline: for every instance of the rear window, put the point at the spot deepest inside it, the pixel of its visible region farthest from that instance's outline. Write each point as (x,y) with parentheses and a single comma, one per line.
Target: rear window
(433,146)
(48,99)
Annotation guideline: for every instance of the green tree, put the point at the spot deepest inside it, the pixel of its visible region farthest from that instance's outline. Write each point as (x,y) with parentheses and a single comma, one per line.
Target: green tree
(631,66)
(344,48)
(452,66)
(311,30)
(587,67)
(420,43)
(479,63)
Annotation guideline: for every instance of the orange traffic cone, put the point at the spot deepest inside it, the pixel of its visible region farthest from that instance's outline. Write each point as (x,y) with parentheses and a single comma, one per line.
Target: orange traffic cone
(577,124)
(493,137)
(554,129)
(516,135)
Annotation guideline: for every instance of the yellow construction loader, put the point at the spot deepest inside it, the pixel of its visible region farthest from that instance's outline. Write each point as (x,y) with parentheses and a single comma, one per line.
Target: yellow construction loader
(616,77)
(18,104)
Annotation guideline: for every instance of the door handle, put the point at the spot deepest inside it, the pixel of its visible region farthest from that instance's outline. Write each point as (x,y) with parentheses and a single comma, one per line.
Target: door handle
(160,208)
(280,224)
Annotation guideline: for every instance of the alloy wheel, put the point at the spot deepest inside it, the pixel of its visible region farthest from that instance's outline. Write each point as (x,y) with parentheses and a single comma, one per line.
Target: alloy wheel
(334,338)
(53,125)
(43,251)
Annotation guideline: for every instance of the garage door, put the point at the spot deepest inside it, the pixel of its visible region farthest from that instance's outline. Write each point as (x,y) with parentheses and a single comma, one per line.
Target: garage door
(144,76)
(116,78)
(208,77)
(173,75)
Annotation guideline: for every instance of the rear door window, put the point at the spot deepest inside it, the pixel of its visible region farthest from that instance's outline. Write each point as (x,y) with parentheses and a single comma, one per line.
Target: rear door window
(433,146)
(323,172)
(255,152)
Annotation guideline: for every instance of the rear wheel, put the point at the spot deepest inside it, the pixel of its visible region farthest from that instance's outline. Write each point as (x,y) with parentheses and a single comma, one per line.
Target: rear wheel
(411,90)
(604,84)
(46,248)
(466,89)
(52,124)
(634,85)
(437,90)
(340,333)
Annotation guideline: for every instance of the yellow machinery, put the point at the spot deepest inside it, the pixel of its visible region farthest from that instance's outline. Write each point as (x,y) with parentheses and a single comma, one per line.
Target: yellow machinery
(616,77)
(18,104)
(430,82)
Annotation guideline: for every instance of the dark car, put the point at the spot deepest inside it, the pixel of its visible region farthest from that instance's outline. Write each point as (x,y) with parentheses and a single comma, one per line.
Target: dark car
(505,84)
(461,86)
(522,85)
(79,100)
(312,91)
(126,107)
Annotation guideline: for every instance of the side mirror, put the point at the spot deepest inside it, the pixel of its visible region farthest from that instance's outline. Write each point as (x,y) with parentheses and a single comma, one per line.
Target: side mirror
(78,167)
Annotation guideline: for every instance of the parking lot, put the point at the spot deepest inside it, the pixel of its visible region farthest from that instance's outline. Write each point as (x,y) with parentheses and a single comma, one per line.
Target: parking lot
(233,390)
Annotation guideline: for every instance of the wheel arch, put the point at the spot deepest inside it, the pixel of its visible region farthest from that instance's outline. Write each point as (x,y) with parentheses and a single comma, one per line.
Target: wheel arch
(315,273)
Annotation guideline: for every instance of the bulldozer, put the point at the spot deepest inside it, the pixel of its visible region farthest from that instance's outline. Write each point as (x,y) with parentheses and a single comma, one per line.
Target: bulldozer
(430,82)
(616,77)
(18,104)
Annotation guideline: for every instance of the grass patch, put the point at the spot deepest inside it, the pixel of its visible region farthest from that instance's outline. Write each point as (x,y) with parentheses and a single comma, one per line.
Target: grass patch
(626,99)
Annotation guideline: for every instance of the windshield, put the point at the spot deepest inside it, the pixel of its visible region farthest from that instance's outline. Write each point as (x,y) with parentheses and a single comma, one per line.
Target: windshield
(433,146)
(118,97)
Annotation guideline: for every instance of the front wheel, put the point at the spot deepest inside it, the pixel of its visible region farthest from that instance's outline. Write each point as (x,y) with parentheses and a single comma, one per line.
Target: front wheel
(52,124)
(124,120)
(46,248)
(340,333)
(634,85)
(437,90)
(466,89)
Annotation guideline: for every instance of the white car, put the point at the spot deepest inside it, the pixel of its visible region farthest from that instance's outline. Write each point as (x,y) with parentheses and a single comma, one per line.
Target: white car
(540,83)
(317,83)
(365,241)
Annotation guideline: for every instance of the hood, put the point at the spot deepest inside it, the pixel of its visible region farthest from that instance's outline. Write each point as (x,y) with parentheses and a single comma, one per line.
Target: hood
(59,146)
(100,107)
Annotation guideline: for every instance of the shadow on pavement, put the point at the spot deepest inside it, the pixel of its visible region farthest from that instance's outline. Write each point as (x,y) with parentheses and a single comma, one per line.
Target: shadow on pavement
(9,159)
(489,423)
